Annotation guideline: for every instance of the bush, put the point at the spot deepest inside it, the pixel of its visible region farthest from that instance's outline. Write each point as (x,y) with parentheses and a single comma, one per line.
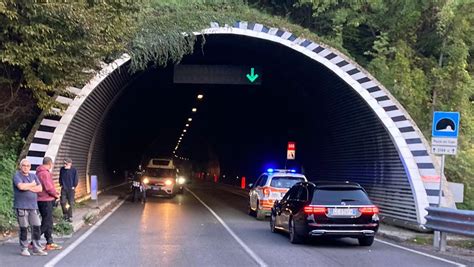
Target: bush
(62,228)
(9,150)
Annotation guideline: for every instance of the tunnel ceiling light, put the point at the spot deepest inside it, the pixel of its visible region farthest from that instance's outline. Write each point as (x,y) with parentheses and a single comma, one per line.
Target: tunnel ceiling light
(200,96)
(187,125)
(184,131)
(190,119)
(194,109)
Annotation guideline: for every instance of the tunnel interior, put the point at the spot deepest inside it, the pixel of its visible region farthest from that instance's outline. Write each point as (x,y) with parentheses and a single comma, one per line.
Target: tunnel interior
(245,128)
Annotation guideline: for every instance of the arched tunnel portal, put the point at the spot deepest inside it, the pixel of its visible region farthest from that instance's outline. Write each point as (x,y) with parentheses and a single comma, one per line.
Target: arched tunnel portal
(346,125)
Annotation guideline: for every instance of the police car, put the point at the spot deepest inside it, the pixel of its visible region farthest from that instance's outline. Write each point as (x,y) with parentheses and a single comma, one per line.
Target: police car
(270,186)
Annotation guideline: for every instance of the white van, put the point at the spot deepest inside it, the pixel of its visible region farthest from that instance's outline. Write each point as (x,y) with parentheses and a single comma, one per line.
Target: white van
(160,177)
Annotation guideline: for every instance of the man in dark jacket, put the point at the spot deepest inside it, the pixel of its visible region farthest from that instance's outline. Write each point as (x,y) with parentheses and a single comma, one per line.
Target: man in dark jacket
(68,181)
(46,199)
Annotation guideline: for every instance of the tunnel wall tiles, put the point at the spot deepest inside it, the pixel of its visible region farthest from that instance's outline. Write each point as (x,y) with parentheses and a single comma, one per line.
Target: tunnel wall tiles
(419,151)
(63,136)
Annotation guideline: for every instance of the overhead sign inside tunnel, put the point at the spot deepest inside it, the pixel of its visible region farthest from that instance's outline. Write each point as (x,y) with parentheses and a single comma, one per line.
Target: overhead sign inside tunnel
(217,74)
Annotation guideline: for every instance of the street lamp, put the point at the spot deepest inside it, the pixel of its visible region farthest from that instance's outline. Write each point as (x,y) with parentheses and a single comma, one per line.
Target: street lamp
(194,109)
(190,119)
(200,96)
(187,124)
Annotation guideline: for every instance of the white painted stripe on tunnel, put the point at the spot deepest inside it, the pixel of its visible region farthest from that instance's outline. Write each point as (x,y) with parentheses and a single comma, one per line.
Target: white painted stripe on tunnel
(249,251)
(386,103)
(81,239)
(38,147)
(411,135)
(286,35)
(348,67)
(370,84)
(258,27)
(428,172)
(358,76)
(325,52)
(401,124)
(336,60)
(44,135)
(50,123)
(433,199)
(64,100)
(74,90)
(417,147)
(431,186)
(243,25)
(395,113)
(423,159)
(420,253)
(312,46)
(273,31)
(378,94)
(35,160)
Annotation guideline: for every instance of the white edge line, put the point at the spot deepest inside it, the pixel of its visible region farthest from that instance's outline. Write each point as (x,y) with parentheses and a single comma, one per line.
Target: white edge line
(249,251)
(78,241)
(421,253)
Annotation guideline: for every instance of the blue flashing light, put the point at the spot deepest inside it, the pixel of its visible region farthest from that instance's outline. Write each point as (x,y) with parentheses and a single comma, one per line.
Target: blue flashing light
(269,170)
(293,170)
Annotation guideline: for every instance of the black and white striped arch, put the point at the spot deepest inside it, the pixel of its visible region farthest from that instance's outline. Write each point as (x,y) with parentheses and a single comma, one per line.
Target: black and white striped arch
(410,143)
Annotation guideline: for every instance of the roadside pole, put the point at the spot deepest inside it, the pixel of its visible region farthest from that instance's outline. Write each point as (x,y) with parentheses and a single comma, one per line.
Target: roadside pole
(444,141)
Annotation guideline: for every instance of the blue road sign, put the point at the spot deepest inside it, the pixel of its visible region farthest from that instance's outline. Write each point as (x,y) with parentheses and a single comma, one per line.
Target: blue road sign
(445,124)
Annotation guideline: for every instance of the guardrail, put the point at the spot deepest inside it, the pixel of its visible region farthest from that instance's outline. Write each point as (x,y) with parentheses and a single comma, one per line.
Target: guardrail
(446,220)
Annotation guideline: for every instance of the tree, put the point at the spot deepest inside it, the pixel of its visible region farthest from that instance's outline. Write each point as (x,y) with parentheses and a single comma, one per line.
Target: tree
(46,47)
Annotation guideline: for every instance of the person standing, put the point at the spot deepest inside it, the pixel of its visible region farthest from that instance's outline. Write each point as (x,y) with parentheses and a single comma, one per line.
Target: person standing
(25,188)
(68,181)
(46,199)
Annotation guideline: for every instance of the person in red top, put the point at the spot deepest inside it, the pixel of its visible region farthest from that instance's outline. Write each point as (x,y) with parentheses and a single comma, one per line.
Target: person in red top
(46,200)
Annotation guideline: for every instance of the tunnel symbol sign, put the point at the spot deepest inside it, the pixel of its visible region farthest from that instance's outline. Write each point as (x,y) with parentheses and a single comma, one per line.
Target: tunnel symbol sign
(445,124)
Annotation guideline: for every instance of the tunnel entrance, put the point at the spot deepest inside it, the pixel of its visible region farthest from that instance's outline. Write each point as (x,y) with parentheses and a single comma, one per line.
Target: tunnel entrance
(346,125)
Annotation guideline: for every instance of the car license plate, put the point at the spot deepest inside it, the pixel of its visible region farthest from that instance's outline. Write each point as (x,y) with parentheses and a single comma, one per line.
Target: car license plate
(342,212)
(155,188)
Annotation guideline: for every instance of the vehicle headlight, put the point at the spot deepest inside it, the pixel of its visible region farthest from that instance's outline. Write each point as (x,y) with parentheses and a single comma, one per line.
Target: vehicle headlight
(146,181)
(168,182)
(181,180)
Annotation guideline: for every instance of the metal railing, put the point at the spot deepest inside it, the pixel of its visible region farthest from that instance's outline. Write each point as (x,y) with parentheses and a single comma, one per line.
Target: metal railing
(446,220)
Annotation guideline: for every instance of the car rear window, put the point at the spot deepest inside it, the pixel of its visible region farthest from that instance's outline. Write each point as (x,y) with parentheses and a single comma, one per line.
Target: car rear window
(337,196)
(285,181)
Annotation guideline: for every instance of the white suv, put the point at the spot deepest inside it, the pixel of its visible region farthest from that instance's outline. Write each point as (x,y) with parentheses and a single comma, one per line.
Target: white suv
(270,186)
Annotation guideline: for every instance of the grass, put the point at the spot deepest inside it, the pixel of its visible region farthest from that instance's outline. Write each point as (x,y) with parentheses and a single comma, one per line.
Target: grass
(422,240)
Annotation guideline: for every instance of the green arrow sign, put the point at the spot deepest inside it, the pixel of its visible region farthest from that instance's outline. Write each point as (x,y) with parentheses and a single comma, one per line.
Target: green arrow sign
(252,76)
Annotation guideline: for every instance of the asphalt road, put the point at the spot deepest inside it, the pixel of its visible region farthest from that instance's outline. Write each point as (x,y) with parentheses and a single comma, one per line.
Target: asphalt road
(183,232)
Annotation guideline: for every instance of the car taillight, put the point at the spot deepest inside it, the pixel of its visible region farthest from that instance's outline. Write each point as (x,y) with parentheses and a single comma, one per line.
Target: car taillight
(315,210)
(369,210)
(266,191)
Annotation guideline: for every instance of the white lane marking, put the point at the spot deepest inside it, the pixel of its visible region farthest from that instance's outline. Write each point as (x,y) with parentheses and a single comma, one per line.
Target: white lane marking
(420,253)
(78,241)
(249,251)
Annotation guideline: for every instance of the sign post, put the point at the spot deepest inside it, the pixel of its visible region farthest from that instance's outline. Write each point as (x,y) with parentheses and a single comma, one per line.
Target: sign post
(444,141)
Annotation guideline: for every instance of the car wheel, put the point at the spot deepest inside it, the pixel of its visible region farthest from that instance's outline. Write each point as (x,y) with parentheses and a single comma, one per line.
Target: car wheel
(260,213)
(272,223)
(294,237)
(366,241)
(250,211)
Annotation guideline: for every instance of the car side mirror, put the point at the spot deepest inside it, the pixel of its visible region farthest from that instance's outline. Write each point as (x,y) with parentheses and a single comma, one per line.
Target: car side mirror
(250,185)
